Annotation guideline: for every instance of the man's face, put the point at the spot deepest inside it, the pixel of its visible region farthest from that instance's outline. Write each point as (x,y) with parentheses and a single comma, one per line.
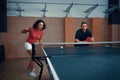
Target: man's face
(84,27)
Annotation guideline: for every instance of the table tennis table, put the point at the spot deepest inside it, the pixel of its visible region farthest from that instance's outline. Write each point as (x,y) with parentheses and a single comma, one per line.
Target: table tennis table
(82,63)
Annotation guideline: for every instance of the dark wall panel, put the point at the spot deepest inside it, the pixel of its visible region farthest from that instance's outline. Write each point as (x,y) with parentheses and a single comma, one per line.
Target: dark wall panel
(2,53)
(3,16)
(114,17)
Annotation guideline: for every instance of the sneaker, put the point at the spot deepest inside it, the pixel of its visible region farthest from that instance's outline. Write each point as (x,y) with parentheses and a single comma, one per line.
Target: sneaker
(32,74)
(33,69)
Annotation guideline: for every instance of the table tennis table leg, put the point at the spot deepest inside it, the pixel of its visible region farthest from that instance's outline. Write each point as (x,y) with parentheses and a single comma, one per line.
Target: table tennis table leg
(40,64)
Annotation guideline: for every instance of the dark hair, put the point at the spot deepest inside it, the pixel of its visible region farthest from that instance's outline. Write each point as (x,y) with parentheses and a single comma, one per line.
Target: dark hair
(83,23)
(35,25)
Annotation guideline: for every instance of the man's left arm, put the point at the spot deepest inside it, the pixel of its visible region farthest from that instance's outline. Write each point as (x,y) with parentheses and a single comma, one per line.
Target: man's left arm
(91,36)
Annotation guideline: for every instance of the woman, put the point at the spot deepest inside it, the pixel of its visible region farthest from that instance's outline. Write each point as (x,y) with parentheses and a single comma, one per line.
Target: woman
(35,34)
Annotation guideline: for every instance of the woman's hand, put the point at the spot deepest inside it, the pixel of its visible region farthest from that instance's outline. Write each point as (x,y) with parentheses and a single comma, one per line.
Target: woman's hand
(41,44)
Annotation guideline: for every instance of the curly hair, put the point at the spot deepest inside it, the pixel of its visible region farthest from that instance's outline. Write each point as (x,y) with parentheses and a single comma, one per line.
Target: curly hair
(35,25)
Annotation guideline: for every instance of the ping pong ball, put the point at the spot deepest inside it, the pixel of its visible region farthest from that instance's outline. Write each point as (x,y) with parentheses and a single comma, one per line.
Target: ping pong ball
(61,47)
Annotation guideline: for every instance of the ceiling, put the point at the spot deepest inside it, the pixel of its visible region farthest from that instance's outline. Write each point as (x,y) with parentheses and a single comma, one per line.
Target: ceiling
(57,8)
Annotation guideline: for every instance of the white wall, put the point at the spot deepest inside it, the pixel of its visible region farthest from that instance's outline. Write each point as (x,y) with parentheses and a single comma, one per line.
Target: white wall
(57,10)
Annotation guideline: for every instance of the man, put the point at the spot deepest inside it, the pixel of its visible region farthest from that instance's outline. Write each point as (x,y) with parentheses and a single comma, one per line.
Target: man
(82,34)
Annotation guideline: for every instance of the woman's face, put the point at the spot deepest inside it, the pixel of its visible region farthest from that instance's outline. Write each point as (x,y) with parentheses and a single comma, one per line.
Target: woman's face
(40,25)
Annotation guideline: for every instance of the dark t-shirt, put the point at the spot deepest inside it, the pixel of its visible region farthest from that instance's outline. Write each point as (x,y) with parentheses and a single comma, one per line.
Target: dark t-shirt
(80,35)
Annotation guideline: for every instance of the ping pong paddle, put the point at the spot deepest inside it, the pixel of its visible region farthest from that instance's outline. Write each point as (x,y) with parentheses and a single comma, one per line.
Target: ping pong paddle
(88,39)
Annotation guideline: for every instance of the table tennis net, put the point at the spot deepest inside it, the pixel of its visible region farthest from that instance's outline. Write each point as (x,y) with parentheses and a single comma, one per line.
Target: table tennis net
(81,44)
(62,49)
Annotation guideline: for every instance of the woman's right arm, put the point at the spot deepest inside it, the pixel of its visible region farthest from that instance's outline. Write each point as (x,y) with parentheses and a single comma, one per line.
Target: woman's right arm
(26,30)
